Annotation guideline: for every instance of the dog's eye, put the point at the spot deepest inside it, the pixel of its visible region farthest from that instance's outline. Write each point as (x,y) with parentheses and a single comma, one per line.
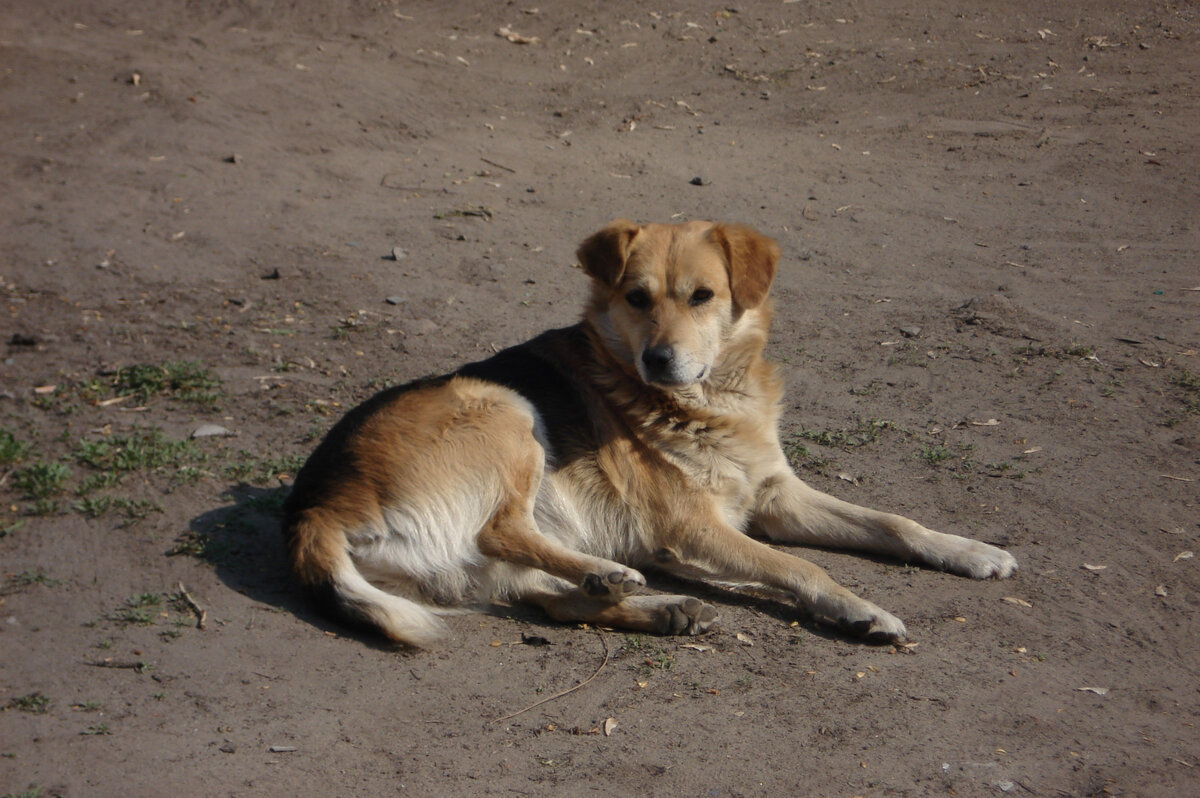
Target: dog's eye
(700,296)
(638,299)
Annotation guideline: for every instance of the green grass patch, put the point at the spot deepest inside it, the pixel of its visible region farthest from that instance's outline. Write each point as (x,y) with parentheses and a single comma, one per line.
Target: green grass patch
(137,451)
(860,434)
(11,450)
(130,509)
(934,455)
(261,470)
(37,703)
(41,480)
(184,380)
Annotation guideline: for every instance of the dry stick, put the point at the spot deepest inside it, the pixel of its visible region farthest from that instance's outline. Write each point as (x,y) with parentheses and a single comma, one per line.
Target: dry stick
(499,165)
(201,615)
(564,692)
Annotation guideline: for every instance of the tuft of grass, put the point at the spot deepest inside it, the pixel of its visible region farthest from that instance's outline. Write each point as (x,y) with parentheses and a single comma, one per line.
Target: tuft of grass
(261,470)
(1190,382)
(139,450)
(934,455)
(32,791)
(860,434)
(138,609)
(98,729)
(37,703)
(185,380)
(130,509)
(32,577)
(41,480)
(11,450)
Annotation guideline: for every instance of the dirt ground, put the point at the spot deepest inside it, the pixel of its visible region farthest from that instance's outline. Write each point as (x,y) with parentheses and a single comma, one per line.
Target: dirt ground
(253,215)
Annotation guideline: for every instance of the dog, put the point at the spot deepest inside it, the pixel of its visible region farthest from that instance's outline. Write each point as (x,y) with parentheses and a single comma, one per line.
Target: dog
(553,473)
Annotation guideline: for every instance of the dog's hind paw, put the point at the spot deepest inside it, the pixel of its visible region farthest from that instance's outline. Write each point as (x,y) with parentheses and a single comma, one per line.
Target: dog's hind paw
(673,615)
(617,583)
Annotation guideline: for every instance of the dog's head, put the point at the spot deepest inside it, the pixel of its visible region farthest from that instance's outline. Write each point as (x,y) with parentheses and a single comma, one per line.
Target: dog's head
(670,300)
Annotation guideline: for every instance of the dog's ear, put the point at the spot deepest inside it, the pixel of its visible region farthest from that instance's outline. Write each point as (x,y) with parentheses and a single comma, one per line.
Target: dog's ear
(751,258)
(603,254)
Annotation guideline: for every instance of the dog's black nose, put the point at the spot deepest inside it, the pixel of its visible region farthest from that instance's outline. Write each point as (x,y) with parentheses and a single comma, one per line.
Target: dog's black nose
(658,359)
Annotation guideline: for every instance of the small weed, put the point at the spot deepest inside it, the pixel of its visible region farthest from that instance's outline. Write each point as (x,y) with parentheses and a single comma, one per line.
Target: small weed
(870,389)
(87,706)
(137,610)
(32,577)
(41,480)
(45,507)
(800,457)
(933,455)
(158,696)
(1190,383)
(185,380)
(862,433)
(11,528)
(131,509)
(94,482)
(98,729)
(11,449)
(104,644)
(37,703)
(259,471)
(1078,350)
(635,642)
(140,450)
(32,791)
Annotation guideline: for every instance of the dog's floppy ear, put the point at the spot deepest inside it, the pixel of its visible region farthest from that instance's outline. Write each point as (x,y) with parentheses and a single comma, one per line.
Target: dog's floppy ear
(751,258)
(603,254)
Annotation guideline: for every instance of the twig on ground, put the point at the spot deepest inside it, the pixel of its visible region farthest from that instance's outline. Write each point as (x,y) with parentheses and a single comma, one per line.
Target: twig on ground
(564,692)
(201,615)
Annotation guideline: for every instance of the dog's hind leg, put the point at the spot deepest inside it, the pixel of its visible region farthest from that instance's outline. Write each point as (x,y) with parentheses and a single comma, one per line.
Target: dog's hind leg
(512,535)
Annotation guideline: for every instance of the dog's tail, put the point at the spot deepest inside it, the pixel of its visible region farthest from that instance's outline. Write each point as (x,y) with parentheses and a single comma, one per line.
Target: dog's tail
(321,559)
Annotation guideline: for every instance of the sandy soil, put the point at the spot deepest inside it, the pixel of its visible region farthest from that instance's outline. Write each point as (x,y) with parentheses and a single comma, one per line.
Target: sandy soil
(987,314)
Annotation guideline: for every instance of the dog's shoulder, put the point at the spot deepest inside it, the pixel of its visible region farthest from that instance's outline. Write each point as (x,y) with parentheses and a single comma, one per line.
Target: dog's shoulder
(544,372)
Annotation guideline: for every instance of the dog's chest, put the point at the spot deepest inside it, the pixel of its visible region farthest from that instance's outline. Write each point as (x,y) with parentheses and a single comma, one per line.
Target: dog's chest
(717,458)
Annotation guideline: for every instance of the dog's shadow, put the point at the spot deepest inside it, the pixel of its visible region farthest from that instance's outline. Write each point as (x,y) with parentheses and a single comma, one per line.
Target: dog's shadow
(243,541)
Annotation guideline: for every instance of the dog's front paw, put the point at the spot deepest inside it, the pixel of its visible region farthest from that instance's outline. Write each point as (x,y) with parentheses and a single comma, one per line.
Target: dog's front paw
(863,619)
(617,582)
(972,558)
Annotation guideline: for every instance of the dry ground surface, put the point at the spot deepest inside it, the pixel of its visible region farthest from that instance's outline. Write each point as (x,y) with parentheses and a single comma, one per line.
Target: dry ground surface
(253,215)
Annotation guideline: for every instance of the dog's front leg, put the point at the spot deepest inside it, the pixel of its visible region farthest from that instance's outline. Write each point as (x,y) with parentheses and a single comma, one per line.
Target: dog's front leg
(790,511)
(721,553)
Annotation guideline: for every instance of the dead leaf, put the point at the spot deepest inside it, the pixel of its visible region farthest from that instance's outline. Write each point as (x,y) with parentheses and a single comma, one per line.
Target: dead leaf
(744,638)
(1161,591)
(991,422)
(1018,601)
(697,647)
(516,38)
(1096,690)
(44,389)
(609,725)
(847,478)
(1091,567)
(1149,363)
(1183,555)
(1032,450)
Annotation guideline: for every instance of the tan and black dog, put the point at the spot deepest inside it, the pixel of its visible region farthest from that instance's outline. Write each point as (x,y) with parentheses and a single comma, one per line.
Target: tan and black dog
(643,437)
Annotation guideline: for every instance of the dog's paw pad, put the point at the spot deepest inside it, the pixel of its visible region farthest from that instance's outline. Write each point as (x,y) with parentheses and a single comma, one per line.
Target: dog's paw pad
(618,582)
(690,616)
